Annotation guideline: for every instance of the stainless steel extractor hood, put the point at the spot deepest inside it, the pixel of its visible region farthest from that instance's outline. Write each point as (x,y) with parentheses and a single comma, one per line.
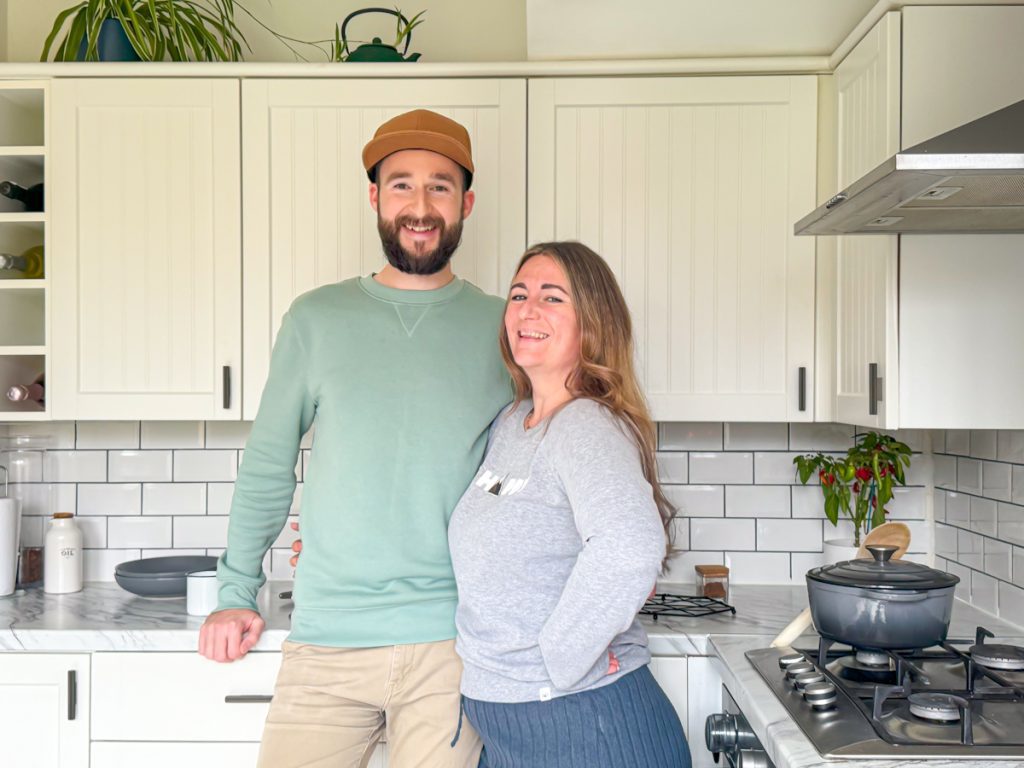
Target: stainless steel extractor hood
(970,179)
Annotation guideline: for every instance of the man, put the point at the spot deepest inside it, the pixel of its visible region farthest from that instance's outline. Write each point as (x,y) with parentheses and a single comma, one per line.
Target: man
(402,373)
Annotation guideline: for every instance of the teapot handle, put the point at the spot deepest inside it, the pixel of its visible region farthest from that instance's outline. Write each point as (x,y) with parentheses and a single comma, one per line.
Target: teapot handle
(344,40)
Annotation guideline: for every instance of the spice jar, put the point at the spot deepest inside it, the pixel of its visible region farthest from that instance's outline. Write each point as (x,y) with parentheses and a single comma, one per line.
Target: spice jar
(713,581)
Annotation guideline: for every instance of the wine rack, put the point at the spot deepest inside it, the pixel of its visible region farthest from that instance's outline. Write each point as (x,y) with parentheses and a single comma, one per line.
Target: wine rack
(24,300)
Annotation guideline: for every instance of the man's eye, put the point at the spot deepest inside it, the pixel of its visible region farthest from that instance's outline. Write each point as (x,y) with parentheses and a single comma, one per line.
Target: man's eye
(401,186)
(441,190)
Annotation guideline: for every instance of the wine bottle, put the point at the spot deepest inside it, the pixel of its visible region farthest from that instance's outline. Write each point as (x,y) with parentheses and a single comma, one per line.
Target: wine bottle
(31,198)
(34,392)
(28,265)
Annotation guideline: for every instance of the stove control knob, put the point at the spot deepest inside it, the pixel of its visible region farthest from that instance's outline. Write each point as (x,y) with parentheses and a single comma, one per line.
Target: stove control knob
(789,659)
(725,733)
(752,758)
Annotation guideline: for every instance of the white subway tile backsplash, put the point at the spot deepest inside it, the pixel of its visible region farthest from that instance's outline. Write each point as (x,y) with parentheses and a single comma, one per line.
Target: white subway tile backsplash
(212,466)
(681,534)
(111,499)
(775,469)
(968,475)
(690,436)
(280,568)
(802,562)
(227,434)
(721,467)
(94,531)
(680,566)
(99,564)
(983,443)
(32,529)
(756,437)
(673,467)
(995,480)
(939,505)
(141,532)
(969,549)
(52,435)
(963,589)
(789,535)
(757,501)
(75,467)
(944,471)
(1010,522)
(758,567)
(45,498)
(207,531)
(1017,566)
(107,434)
(140,466)
(697,500)
(218,498)
(711,533)
(172,434)
(958,509)
(983,516)
(820,437)
(938,438)
(174,499)
(1010,445)
(808,501)
(920,471)
(1011,602)
(908,503)
(997,558)
(945,541)
(983,592)
(958,442)
(921,535)
(1017,485)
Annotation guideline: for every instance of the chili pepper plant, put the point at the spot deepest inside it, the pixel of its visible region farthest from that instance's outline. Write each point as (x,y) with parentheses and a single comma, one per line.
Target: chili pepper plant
(859,484)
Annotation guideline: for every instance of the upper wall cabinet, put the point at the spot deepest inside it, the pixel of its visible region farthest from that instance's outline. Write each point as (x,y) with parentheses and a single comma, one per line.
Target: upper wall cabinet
(308,219)
(146,256)
(688,187)
(868,121)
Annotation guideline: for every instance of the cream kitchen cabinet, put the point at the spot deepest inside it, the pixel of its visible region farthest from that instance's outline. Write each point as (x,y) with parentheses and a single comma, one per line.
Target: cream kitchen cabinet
(307,215)
(146,256)
(44,710)
(933,327)
(688,186)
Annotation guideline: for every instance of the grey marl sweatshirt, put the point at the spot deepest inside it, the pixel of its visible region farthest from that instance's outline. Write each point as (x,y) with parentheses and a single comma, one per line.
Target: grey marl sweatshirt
(555,545)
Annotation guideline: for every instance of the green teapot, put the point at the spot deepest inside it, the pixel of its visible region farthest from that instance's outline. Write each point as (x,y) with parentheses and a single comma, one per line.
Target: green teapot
(377,51)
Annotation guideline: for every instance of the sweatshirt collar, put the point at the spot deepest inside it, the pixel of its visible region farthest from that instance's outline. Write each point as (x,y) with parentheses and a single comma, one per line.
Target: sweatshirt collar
(401,296)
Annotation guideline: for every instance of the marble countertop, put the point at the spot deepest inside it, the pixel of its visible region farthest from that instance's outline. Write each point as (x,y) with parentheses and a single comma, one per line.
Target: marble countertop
(782,738)
(104,617)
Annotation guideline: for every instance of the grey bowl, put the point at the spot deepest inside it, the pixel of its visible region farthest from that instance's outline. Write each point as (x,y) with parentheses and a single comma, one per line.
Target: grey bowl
(161,576)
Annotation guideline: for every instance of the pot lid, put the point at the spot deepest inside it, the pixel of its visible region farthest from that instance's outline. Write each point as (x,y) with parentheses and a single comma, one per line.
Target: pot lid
(880,572)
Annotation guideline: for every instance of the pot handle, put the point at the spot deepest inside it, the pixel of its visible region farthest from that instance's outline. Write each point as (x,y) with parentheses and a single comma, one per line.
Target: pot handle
(902,597)
(393,12)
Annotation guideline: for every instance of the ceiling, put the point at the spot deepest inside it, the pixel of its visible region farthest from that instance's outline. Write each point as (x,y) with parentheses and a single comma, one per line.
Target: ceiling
(569,29)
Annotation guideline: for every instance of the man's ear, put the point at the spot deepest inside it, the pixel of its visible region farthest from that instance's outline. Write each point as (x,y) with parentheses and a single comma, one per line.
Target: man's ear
(468,199)
(374,196)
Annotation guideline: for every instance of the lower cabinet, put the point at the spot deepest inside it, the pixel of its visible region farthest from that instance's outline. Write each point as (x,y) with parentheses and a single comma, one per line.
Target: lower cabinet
(695,690)
(44,710)
(670,672)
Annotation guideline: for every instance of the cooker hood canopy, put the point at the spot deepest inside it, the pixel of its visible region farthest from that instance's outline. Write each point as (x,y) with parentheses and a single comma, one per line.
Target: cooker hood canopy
(967,180)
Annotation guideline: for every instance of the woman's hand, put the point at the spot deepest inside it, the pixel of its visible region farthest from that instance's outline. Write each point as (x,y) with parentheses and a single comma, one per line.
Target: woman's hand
(613,663)
(296,546)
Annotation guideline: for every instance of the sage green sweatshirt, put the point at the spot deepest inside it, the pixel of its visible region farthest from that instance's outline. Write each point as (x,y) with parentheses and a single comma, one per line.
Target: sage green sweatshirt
(402,386)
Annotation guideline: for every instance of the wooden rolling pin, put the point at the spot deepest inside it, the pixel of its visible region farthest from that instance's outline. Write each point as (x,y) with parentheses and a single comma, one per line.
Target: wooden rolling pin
(894,534)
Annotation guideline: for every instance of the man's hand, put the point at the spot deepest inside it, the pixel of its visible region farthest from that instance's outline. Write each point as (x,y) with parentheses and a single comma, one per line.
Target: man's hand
(229,635)
(296,546)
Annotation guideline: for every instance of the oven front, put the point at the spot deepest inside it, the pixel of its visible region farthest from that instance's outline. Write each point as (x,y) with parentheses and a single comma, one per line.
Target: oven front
(729,735)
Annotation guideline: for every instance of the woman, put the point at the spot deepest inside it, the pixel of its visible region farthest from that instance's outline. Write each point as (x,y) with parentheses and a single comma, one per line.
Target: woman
(558,541)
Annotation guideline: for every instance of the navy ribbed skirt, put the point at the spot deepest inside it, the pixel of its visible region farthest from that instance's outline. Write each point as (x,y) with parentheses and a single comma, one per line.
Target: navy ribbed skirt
(627,724)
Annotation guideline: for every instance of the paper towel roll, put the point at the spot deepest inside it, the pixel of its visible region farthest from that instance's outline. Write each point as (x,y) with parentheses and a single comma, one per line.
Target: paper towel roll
(10,530)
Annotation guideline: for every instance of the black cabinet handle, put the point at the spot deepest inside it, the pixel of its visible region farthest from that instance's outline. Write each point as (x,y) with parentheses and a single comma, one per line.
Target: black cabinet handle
(72,694)
(872,389)
(802,389)
(226,371)
(248,699)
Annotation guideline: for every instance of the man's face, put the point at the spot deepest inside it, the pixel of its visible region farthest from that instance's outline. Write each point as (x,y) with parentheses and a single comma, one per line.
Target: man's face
(420,206)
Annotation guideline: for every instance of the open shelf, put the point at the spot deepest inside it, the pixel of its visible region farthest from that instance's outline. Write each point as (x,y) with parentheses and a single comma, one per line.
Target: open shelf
(23,318)
(16,237)
(22,115)
(19,369)
(25,170)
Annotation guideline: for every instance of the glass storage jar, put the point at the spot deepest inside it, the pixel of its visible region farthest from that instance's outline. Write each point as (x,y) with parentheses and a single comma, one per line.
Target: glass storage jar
(713,581)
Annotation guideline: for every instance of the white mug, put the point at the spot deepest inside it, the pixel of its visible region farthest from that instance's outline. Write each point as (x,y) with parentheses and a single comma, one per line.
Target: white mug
(201,589)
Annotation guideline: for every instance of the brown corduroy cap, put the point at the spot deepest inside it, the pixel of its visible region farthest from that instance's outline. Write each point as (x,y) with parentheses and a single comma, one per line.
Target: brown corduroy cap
(420,129)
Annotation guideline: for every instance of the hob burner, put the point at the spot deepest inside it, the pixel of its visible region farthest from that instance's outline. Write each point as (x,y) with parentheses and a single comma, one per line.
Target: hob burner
(942,707)
(872,659)
(994,656)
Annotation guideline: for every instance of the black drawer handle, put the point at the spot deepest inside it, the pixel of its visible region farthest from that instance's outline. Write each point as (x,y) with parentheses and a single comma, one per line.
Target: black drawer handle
(254,698)
(802,389)
(226,371)
(72,694)
(873,382)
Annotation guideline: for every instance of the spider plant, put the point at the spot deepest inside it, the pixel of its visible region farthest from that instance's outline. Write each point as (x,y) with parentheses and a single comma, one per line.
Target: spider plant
(179,30)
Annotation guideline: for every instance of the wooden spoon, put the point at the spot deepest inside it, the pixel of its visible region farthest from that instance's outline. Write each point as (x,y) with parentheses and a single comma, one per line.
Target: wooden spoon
(891,534)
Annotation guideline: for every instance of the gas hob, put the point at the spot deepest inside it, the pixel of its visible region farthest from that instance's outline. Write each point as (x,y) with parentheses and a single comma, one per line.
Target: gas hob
(953,700)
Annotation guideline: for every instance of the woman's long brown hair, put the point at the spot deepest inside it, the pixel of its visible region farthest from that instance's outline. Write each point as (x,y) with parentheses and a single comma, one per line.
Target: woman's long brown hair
(605,370)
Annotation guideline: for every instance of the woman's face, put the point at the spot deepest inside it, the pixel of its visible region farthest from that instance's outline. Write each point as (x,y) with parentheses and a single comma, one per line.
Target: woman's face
(540,320)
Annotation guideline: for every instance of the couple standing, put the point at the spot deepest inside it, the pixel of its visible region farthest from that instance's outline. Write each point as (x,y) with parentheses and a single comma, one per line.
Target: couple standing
(541,564)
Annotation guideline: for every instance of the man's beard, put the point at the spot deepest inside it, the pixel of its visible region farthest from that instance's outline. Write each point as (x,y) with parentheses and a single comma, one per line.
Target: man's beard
(421,262)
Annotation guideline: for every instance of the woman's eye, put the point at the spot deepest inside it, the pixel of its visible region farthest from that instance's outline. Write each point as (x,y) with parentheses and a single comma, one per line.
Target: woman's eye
(517,297)
(553,299)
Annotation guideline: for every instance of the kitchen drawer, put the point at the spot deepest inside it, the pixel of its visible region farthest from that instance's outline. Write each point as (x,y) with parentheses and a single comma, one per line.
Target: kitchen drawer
(162,754)
(179,697)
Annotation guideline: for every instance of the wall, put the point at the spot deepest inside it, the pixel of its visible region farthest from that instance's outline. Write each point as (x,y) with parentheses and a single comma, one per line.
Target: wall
(453,30)
(159,488)
(3,30)
(979,516)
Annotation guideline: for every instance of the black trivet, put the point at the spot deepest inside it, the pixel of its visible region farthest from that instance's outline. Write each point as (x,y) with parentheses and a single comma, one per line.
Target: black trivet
(663,604)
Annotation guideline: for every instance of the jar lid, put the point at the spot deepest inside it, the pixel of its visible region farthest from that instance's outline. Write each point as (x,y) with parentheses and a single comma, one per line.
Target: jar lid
(711,570)
(881,572)
(61,515)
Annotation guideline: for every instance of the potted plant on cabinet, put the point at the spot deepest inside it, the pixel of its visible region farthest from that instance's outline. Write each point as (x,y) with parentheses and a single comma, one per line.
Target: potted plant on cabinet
(147,30)
(857,485)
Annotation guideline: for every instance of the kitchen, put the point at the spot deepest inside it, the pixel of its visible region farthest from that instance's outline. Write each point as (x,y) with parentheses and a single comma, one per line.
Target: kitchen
(757,344)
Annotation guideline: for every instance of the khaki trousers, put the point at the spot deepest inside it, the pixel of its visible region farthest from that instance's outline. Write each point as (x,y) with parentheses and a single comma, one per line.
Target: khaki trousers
(331,706)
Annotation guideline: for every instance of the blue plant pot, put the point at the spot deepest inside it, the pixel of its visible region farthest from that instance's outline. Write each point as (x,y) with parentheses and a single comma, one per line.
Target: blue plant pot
(113,44)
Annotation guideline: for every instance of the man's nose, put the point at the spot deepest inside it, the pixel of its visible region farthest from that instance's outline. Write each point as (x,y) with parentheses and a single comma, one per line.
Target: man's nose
(419,206)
